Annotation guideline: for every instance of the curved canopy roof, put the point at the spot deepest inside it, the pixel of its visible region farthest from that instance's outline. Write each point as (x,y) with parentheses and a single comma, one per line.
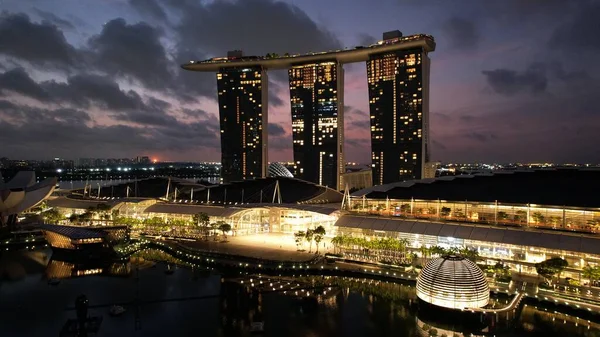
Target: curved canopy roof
(262,190)
(145,188)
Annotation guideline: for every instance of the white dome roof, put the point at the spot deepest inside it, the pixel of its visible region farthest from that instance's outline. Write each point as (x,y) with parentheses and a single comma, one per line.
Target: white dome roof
(453,282)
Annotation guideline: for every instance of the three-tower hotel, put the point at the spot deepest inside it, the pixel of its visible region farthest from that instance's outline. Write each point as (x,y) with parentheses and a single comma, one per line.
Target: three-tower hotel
(398,81)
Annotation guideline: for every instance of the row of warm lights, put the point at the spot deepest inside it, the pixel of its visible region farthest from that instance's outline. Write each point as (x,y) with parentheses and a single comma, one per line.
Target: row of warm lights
(365,270)
(373,271)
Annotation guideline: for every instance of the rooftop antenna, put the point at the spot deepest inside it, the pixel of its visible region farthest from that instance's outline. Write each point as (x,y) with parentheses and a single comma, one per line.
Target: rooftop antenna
(175,193)
(225,198)
(208,195)
(127,190)
(192,194)
(260,196)
(98,190)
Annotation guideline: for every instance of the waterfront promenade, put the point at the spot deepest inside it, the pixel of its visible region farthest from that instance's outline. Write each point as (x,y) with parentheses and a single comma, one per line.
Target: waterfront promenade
(273,254)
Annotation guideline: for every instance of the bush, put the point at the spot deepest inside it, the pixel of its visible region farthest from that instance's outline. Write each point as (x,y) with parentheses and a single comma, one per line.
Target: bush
(504,278)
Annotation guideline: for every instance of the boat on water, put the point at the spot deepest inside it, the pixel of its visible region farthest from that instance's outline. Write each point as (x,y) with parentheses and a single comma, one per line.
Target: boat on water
(257,327)
(169,270)
(53,281)
(116,310)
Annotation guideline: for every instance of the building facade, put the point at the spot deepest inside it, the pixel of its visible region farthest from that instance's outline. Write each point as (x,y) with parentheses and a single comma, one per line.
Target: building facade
(242,96)
(398,84)
(316,95)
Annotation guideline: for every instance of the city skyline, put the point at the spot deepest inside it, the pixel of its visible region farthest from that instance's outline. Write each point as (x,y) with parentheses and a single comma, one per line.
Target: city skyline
(74,75)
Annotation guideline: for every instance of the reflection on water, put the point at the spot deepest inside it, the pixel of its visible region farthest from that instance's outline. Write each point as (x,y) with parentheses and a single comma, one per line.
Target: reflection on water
(64,269)
(202,302)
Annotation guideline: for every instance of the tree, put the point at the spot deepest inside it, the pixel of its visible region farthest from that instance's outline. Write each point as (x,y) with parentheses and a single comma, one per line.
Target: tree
(538,217)
(502,216)
(440,251)
(202,220)
(592,273)
(86,216)
(445,211)
(319,233)
(73,218)
(469,253)
(431,211)
(224,228)
(502,272)
(551,267)
(337,243)
(425,252)
(213,228)
(103,210)
(521,216)
(594,224)
(405,208)
(52,216)
(308,236)
(299,238)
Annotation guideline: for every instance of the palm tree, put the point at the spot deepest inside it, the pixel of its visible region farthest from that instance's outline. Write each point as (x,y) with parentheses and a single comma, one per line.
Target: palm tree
(309,237)
(591,273)
(470,253)
(202,220)
(319,233)
(403,245)
(337,242)
(213,228)
(224,228)
(298,238)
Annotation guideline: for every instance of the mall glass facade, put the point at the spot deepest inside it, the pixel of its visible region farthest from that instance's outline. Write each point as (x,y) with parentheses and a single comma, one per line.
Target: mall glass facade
(546,217)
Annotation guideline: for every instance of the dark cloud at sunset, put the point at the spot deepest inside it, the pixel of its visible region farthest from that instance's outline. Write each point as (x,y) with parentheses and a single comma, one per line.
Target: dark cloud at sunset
(513,80)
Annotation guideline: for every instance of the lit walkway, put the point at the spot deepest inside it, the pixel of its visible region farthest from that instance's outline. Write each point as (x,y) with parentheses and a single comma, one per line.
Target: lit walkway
(261,246)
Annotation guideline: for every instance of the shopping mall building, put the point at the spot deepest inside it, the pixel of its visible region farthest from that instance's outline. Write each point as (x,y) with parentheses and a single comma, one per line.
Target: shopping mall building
(519,217)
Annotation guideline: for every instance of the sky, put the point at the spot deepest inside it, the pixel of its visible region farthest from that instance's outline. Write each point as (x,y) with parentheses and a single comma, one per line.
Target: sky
(511,80)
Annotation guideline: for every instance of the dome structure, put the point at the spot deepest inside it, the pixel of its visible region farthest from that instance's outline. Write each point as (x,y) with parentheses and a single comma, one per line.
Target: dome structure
(453,282)
(278,170)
